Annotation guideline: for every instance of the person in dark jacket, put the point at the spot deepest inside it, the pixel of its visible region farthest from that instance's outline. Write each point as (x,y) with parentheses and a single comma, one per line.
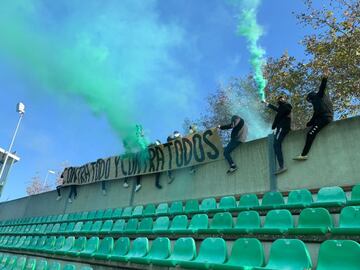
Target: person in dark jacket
(322,116)
(282,126)
(238,136)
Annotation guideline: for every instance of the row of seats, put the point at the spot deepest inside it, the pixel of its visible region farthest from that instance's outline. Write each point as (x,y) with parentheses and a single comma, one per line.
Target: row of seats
(14,262)
(316,221)
(247,253)
(326,197)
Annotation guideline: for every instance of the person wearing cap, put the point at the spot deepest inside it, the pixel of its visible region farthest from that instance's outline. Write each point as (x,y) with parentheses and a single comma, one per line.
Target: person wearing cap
(282,126)
(322,116)
(238,136)
(176,135)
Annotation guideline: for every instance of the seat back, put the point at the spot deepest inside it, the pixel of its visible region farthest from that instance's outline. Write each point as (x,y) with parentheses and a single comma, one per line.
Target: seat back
(331,194)
(41,265)
(162,209)
(91,215)
(161,223)
(248,200)
(55,228)
(108,213)
(199,221)
(339,254)
(146,224)
(62,228)
(70,227)
(300,197)
(20,263)
(41,242)
(315,218)
(50,242)
(279,219)
(117,213)
(78,227)
(248,220)
(227,202)
(121,247)
(95,228)
(99,214)
(289,254)
(355,193)
(54,266)
(107,226)
(127,212)
(191,206)
(131,225)
(160,248)
(184,249)
(30,264)
(247,252)
(273,198)
(212,250)
(138,211)
(179,222)
(208,204)
(69,243)
(118,226)
(59,243)
(87,226)
(139,248)
(84,215)
(79,244)
(350,217)
(92,245)
(222,221)
(149,210)
(106,245)
(176,208)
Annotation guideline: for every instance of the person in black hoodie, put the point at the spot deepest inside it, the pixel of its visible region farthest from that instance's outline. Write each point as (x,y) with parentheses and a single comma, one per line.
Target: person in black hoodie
(238,136)
(323,115)
(282,126)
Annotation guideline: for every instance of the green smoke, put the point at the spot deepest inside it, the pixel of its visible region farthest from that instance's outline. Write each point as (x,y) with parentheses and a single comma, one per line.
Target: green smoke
(252,31)
(102,51)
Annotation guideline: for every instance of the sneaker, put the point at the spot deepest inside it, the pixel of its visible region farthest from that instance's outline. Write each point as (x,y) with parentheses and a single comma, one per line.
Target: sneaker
(301,158)
(280,170)
(125,185)
(70,201)
(158,186)
(104,192)
(232,169)
(58,198)
(137,188)
(192,171)
(171,179)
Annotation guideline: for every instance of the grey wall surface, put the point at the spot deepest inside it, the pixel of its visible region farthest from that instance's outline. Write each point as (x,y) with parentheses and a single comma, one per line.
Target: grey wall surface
(334,160)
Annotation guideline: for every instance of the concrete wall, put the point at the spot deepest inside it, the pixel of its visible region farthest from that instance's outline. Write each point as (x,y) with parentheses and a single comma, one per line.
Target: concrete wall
(334,160)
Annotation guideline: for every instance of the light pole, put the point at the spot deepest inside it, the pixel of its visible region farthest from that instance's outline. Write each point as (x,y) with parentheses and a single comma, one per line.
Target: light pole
(46,177)
(20,108)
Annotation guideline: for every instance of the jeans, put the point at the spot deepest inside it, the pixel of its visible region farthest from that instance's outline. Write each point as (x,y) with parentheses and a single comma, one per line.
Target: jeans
(228,149)
(279,137)
(311,135)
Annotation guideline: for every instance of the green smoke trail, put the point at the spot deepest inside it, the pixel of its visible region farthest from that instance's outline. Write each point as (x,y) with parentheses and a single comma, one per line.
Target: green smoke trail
(102,51)
(252,31)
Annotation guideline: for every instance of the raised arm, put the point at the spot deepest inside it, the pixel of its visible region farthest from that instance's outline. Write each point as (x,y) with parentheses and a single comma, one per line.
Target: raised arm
(273,107)
(322,87)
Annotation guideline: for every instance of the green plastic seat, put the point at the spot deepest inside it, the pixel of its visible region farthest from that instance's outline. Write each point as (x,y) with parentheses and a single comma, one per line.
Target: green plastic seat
(108,214)
(33,244)
(330,197)
(31,230)
(349,221)
(355,196)
(49,244)
(105,248)
(77,247)
(62,228)
(220,222)
(145,226)
(149,210)
(36,231)
(42,229)
(288,254)
(245,254)
(184,250)
(59,218)
(138,211)
(246,222)
(300,198)
(227,203)
(4,260)
(127,212)
(118,227)
(69,243)
(41,265)
(116,213)
(121,248)
(161,225)
(20,263)
(276,222)
(176,208)
(160,249)
(248,201)
(91,247)
(313,221)
(91,215)
(77,228)
(20,243)
(70,228)
(30,264)
(86,228)
(77,216)
(198,222)
(131,226)
(65,217)
(162,209)
(59,243)
(191,206)
(99,214)
(54,266)
(139,248)
(208,205)
(212,251)
(106,227)
(24,246)
(84,216)
(40,243)
(179,223)
(49,228)
(339,255)
(69,267)
(95,228)
(71,217)
(11,263)
(272,200)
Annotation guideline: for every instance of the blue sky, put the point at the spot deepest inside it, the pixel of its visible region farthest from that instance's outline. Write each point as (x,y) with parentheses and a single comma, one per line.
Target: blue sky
(56,129)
